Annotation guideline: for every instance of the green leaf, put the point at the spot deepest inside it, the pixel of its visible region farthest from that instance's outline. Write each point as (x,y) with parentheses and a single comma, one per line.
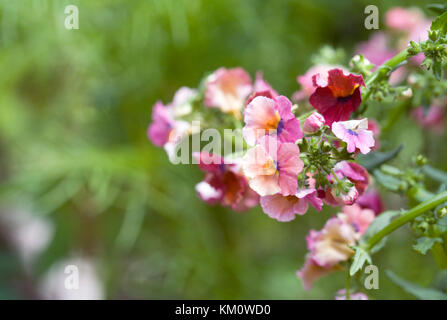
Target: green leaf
(416,290)
(377,225)
(375,159)
(437,8)
(437,69)
(387,181)
(435,174)
(440,23)
(423,244)
(360,257)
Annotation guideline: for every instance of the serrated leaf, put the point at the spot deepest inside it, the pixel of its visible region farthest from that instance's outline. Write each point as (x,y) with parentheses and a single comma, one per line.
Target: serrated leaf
(423,244)
(416,290)
(440,23)
(378,224)
(360,257)
(375,159)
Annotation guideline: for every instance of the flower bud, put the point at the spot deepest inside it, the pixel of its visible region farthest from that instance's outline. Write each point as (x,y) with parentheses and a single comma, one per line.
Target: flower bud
(313,123)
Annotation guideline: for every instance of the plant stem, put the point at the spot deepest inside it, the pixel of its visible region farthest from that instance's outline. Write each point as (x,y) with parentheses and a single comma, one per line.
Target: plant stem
(406,217)
(348,280)
(389,64)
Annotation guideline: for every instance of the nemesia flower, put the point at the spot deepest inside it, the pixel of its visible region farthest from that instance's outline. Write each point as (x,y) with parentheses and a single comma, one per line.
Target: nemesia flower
(270,116)
(353,172)
(227,89)
(327,248)
(311,272)
(341,295)
(285,208)
(224,183)
(338,97)
(371,200)
(403,19)
(161,126)
(272,167)
(346,198)
(261,85)
(355,133)
(306,82)
(313,123)
(358,217)
(432,119)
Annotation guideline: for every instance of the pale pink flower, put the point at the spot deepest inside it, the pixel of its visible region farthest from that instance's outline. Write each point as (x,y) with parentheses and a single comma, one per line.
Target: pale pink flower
(313,123)
(432,119)
(227,89)
(285,208)
(270,116)
(355,133)
(261,85)
(341,295)
(272,167)
(347,198)
(403,19)
(331,245)
(310,272)
(359,218)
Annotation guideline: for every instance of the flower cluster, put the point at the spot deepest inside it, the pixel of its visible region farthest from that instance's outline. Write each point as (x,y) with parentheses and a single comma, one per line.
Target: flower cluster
(291,162)
(331,246)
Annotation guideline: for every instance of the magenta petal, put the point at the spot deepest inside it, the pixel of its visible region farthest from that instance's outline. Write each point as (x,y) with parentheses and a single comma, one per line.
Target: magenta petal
(284,108)
(290,132)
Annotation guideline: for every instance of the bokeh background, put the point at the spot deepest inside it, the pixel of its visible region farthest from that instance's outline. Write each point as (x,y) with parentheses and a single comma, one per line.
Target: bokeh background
(81,184)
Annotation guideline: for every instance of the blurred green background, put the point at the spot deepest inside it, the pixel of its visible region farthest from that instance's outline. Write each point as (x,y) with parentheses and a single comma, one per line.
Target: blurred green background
(74,109)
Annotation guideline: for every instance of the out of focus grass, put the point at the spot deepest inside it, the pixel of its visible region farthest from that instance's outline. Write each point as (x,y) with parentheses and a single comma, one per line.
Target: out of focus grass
(75,106)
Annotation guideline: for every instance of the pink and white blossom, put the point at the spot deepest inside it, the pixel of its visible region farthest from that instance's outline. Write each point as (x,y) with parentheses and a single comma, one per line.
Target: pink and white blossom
(272,167)
(274,117)
(355,133)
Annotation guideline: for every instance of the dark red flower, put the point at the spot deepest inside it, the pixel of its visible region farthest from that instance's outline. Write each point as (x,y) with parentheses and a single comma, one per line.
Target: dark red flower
(224,183)
(337,98)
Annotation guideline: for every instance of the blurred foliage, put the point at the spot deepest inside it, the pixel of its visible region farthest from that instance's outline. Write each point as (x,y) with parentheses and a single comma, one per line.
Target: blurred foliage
(75,106)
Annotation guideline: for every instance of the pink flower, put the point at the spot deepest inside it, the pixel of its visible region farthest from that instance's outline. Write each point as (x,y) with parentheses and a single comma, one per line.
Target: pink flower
(313,123)
(227,89)
(285,208)
(270,116)
(272,167)
(347,198)
(307,86)
(311,272)
(355,133)
(354,173)
(161,126)
(224,183)
(341,295)
(338,97)
(331,245)
(263,86)
(402,19)
(371,200)
(432,119)
(359,218)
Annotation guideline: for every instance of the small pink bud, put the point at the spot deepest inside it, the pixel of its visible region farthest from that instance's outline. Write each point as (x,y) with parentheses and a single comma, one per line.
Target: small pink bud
(313,123)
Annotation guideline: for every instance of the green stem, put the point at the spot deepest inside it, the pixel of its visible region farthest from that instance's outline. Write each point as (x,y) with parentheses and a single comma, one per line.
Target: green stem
(348,280)
(389,64)
(406,217)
